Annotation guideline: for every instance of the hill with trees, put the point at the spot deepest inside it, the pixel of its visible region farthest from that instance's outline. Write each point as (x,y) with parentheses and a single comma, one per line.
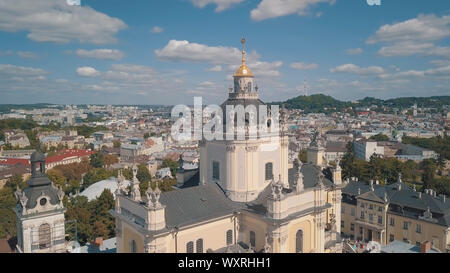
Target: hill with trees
(320,103)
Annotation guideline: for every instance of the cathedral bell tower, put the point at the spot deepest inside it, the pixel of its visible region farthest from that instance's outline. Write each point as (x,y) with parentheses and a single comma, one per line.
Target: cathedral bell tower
(243,79)
(244,167)
(40,212)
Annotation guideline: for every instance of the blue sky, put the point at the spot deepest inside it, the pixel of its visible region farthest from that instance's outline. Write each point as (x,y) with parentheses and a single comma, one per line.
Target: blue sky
(167,52)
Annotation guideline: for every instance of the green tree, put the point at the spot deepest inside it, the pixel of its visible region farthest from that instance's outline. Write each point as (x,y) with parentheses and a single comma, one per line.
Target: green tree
(380,137)
(146,135)
(56,177)
(302,156)
(97,160)
(348,170)
(15,181)
(429,173)
(173,165)
(116,143)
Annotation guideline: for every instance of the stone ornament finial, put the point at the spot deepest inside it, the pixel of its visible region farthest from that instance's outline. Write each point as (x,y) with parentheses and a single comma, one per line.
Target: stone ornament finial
(153,197)
(135,193)
(277,189)
(22,198)
(320,182)
(267,247)
(298,179)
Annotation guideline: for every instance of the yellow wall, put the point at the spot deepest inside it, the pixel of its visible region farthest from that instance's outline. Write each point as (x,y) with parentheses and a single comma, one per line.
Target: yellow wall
(128,234)
(430,232)
(306,224)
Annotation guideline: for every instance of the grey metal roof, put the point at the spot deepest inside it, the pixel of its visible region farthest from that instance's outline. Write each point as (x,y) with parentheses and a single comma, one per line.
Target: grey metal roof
(195,204)
(412,203)
(310,176)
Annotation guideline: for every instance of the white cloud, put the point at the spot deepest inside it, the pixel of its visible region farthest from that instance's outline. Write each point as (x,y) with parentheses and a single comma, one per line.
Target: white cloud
(413,37)
(187,51)
(304,66)
(21,71)
(27,55)
(266,69)
(351,68)
(87,71)
(276,8)
(108,54)
(217,68)
(355,51)
(221,4)
(422,28)
(440,62)
(157,29)
(218,56)
(55,21)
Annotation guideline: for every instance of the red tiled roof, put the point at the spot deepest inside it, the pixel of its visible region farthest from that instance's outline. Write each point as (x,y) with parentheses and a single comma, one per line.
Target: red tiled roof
(51,159)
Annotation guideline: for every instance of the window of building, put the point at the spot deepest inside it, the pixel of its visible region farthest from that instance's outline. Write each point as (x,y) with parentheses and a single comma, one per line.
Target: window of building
(216,170)
(370,217)
(44,236)
(342,224)
(342,209)
(391,238)
(229,237)
(405,225)
(362,205)
(352,211)
(380,209)
(362,215)
(269,171)
(371,207)
(133,246)
(190,247)
(419,228)
(360,230)
(249,87)
(199,245)
(299,242)
(380,220)
(252,239)
(392,222)
(352,227)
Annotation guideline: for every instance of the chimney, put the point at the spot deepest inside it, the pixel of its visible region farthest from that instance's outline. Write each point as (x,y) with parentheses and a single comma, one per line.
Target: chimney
(98,241)
(425,247)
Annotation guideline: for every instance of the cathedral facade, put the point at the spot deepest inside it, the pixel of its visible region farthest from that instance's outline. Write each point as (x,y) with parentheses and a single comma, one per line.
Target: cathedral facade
(248,197)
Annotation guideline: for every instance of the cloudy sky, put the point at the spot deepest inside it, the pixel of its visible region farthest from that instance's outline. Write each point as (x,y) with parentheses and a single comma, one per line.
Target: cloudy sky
(167,52)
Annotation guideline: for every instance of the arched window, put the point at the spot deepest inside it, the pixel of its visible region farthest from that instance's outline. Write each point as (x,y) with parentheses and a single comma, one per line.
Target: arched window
(299,242)
(269,171)
(190,247)
(252,239)
(229,237)
(44,236)
(133,246)
(199,245)
(249,87)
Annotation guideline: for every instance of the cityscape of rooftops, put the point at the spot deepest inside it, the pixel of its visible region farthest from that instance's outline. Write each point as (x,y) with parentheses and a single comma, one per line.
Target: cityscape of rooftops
(224,127)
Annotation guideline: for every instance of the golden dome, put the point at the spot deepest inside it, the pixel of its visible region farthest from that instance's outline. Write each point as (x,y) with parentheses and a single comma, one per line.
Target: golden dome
(243,70)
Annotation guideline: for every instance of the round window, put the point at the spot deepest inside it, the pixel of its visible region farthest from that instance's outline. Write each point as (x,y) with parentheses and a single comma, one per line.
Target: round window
(43,201)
